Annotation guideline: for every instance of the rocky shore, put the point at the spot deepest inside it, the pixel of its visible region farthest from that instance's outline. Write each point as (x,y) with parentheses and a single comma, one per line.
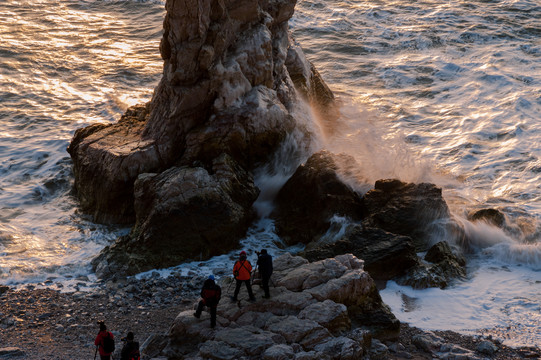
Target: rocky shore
(38,324)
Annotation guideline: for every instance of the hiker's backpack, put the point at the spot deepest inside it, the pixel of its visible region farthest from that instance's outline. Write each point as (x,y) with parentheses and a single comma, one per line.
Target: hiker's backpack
(134,355)
(108,343)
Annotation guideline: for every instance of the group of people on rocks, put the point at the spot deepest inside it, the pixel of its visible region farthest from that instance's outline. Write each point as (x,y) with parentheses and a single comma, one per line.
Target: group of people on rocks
(105,343)
(211,292)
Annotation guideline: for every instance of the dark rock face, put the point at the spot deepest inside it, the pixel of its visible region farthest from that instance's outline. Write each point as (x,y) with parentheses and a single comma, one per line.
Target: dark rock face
(405,208)
(385,255)
(184,213)
(315,192)
(444,268)
(106,164)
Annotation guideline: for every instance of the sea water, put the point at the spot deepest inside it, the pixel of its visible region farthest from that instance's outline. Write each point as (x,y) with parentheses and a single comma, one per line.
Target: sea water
(442,91)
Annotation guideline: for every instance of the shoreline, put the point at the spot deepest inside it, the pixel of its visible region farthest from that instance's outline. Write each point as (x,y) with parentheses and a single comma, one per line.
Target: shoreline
(47,324)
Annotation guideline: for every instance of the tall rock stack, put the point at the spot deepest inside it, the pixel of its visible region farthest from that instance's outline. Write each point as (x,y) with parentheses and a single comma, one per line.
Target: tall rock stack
(180,167)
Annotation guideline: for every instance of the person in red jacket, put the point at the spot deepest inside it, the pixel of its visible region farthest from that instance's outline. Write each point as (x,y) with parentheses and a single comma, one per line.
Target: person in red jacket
(242,271)
(105,342)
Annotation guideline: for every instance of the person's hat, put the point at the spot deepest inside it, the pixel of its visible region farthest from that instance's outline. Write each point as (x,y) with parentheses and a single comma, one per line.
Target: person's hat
(263,251)
(211,277)
(242,253)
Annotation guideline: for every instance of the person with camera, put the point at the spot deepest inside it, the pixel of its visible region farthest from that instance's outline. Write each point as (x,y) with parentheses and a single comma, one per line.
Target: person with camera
(105,342)
(264,263)
(210,296)
(130,350)
(242,271)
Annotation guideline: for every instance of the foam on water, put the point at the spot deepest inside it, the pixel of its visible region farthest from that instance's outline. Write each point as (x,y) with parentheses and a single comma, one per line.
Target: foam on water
(497,299)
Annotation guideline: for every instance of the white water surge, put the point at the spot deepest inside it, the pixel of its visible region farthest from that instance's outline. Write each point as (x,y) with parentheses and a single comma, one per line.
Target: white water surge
(441,91)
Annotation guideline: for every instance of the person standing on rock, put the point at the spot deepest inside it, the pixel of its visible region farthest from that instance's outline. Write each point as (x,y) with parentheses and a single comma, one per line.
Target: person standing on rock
(242,271)
(264,263)
(130,350)
(211,294)
(105,342)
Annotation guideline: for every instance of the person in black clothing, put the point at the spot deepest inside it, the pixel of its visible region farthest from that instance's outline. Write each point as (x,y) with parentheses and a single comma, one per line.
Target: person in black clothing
(264,263)
(130,351)
(211,294)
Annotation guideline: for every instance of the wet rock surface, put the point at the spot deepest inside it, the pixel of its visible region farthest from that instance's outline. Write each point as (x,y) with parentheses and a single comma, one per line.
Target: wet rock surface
(406,209)
(313,195)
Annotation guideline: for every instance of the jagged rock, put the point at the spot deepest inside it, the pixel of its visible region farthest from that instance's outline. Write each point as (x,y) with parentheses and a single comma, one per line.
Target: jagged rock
(385,255)
(317,329)
(182,213)
(408,209)
(106,162)
(445,266)
(226,88)
(310,84)
(340,348)
(313,195)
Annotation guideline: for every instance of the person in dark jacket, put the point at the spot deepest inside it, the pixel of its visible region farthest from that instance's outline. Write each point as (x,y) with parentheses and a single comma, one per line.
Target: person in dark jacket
(242,271)
(264,263)
(210,297)
(130,351)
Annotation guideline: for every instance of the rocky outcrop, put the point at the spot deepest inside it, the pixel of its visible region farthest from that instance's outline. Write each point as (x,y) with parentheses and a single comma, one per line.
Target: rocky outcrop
(183,213)
(385,255)
(226,91)
(313,313)
(313,195)
(442,266)
(413,210)
(226,88)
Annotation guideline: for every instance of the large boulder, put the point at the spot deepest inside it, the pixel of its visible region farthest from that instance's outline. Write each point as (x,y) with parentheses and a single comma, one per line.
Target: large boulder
(313,195)
(183,213)
(385,255)
(409,209)
(226,88)
(332,323)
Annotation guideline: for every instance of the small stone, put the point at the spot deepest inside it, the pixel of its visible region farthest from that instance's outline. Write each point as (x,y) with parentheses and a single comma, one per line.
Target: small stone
(486,347)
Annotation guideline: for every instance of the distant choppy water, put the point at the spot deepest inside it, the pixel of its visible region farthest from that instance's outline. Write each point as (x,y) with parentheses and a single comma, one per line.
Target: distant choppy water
(441,91)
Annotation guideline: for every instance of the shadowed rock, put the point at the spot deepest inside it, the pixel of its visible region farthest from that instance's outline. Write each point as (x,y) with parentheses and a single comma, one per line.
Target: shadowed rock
(312,196)
(406,209)
(183,213)
(385,255)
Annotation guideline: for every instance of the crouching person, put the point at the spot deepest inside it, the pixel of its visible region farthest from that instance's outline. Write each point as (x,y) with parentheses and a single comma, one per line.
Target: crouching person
(210,294)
